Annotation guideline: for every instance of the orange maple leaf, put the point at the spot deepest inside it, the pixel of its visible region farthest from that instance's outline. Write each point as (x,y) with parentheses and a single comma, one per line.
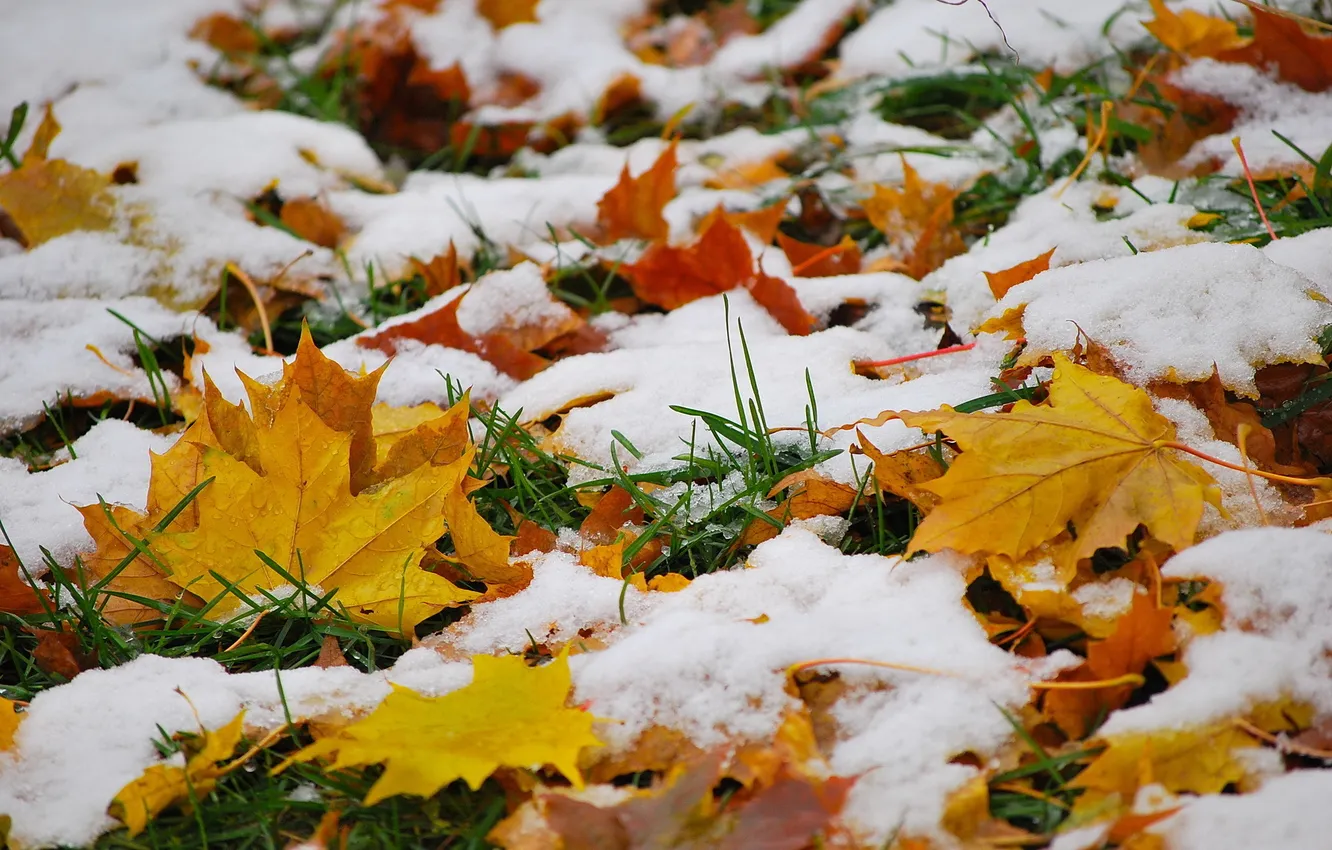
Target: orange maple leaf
(811,260)
(719,261)
(632,207)
(917,220)
(1279,40)
(16,595)
(1002,281)
(313,222)
(509,349)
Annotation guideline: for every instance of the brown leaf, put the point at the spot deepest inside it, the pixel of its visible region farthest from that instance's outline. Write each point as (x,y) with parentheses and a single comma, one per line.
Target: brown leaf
(16,595)
(58,653)
(330,654)
(441,273)
(902,473)
(226,33)
(1001,282)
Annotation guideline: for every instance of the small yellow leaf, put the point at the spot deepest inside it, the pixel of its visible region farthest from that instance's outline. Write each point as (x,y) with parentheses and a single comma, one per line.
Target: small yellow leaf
(1094,458)
(1192,34)
(163,785)
(511,715)
(1201,760)
(9,723)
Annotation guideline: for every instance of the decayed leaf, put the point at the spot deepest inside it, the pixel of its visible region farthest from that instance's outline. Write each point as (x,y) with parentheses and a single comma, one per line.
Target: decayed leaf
(1192,34)
(632,207)
(47,198)
(1280,41)
(917,220)
(1001,282)
(297,481)
(16,595)
(903,473)
(1092,458)
(163,785)
(511,715)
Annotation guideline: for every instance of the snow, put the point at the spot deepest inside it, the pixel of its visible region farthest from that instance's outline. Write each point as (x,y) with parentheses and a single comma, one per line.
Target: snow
(1173,314)
(1288,811)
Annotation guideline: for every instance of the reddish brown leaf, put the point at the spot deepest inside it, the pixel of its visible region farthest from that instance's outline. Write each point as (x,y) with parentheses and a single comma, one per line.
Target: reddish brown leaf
(330,654)
(1281,42)
(16,595)
(59,653)
(442,273)
(226,33)
(613,511)
(1001,282)
(530,537)
(632,208)
(779,299)
(671,277)
(788,815)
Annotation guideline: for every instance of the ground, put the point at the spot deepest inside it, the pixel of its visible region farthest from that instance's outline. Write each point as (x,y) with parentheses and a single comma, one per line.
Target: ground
(624,424)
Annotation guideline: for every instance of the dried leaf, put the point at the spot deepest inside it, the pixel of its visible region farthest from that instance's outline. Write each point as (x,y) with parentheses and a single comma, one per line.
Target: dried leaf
(164,785)
(1001,282)
(441,273)
(671,277)
(903,473)
(632,207)
(1093,459)
(59,652)
(511,715)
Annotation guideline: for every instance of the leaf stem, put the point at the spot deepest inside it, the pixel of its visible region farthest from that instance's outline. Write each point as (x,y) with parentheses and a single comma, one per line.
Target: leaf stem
(1133,679)
(1253,190)
(1320,483)
(890,665)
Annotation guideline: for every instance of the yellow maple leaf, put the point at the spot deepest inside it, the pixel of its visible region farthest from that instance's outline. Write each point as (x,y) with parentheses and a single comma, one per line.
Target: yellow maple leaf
(1095,458)
(9,723)
(46,198)
(290,491)
(1200,760)
(1192,34)
(163,785)
(511,715)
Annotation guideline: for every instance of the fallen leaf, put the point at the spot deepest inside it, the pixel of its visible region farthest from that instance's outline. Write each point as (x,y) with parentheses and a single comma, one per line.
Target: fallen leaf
(810,260)
(762,222)
(58,652)
(163,785)
(631,209)
(747,176)
(917,220)
(506,13)
(441,273)
(294,463)
(780,300)
(47,198)
(1092,459)
(1192,34)
(330,654)
(903,473)
(16,595)
(671,277)
(313,222)
(9,723)
(1195,760)
(1002,281)
(511,715)
(1281,42)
